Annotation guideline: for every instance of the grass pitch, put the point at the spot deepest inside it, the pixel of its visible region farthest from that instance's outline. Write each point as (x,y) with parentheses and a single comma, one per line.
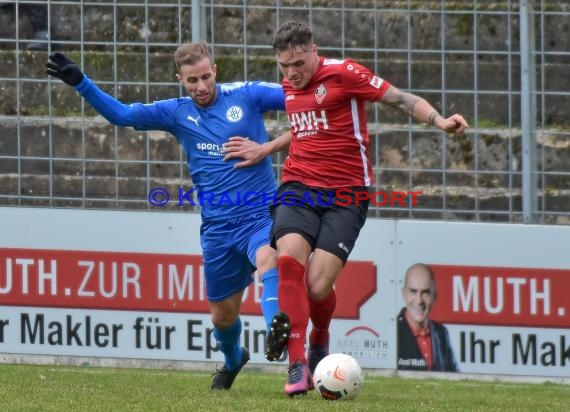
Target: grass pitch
(65,388)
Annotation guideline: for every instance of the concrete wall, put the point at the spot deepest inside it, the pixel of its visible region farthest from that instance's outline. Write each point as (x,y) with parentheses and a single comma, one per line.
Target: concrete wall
(25,104)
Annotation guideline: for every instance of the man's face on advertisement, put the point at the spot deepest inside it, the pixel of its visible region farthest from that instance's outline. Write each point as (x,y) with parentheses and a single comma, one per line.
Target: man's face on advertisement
(419,295)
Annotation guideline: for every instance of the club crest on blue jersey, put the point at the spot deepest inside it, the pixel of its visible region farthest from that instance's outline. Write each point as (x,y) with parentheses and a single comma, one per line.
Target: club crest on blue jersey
(234,114)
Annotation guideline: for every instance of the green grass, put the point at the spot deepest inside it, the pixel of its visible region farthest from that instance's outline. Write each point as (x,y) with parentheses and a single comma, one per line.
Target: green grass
(64,388)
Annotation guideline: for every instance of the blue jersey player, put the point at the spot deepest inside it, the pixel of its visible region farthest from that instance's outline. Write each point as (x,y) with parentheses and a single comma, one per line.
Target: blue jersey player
(235,218)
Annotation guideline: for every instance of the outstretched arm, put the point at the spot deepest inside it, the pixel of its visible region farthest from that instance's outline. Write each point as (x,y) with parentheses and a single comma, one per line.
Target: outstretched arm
(65,69)
(418,108)
(253,152)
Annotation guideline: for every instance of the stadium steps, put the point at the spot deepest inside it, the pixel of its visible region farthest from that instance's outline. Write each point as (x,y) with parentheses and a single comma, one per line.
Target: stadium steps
(83,152)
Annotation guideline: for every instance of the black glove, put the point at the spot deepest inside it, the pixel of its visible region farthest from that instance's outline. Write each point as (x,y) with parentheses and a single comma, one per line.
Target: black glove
(62,67)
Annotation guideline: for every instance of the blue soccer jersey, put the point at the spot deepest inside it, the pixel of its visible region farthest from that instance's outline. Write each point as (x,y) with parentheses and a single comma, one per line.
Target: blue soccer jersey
(221,190)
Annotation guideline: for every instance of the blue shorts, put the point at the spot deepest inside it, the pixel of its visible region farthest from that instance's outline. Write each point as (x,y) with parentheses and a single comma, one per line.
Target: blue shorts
(229,248)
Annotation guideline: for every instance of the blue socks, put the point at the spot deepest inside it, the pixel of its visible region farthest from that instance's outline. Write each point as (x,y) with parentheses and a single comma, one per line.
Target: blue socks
(269,304)
(228,339)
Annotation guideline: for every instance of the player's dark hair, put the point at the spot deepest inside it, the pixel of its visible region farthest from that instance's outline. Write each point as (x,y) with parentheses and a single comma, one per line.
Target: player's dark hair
(191,53)
(291,35)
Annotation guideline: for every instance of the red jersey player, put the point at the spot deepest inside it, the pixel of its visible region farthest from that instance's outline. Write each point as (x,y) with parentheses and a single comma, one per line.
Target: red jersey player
(313,230)
(328,122)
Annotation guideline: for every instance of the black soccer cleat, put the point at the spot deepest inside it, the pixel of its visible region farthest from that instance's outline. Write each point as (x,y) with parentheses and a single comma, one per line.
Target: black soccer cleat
(316,354)
(277,336)
(223,378)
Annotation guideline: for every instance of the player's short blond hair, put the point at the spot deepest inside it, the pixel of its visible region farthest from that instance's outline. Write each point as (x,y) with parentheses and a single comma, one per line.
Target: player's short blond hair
(191,53)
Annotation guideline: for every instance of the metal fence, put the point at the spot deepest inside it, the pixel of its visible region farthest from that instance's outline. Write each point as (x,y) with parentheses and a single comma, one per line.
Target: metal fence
(502,64)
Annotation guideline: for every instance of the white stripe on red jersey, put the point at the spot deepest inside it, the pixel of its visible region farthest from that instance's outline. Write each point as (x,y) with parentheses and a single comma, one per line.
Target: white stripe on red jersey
(328,120)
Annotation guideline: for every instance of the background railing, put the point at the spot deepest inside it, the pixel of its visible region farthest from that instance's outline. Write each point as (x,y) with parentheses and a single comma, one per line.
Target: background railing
(502,64)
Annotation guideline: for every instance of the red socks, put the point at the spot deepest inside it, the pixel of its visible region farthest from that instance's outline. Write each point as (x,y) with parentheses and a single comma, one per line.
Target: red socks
(293,300)
(321,315)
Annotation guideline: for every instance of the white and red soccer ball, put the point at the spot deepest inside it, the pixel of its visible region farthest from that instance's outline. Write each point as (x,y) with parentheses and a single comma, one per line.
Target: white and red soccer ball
(338,376)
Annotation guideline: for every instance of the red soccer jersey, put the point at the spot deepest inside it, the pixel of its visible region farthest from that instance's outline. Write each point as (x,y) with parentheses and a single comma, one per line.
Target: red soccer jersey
(330,141)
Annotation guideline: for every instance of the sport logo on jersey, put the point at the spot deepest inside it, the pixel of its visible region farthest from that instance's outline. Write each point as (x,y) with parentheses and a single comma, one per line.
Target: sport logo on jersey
(193,120)
(376,82)
(320,93)
(234,114)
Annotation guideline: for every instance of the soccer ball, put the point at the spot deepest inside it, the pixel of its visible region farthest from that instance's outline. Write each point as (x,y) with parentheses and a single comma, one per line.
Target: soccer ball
(338,376)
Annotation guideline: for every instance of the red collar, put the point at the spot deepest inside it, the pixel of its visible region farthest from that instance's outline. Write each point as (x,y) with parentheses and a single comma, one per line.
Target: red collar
(415,330)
